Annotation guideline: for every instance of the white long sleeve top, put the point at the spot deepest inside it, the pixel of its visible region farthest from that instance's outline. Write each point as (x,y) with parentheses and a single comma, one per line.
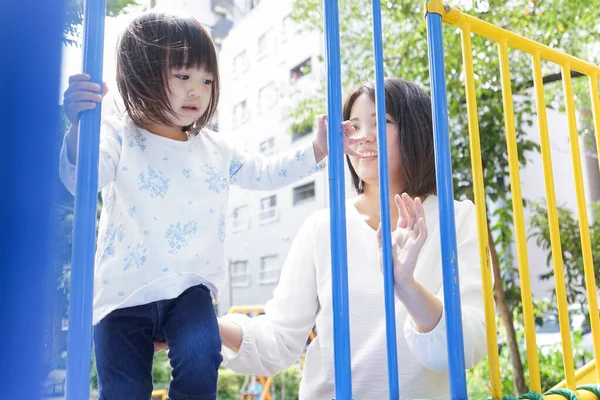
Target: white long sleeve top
(303,299)
(162,225)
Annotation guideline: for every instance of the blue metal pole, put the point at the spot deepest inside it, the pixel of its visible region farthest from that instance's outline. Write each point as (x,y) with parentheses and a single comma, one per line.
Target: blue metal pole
(337,206)
(384,199)
(84,231)
(29,117)
(443,166)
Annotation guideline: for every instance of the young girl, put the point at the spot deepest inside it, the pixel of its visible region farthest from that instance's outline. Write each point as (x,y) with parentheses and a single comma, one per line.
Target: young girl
(165,182)
(272,342)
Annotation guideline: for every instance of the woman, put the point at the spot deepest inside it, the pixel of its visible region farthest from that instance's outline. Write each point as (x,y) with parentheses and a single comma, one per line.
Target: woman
(272,342)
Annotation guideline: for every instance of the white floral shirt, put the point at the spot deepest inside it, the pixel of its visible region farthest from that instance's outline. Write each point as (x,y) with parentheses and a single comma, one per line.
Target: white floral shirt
(162,225)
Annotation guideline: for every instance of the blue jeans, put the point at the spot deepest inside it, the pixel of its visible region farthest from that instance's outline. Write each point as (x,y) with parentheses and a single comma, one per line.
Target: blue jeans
(124,348)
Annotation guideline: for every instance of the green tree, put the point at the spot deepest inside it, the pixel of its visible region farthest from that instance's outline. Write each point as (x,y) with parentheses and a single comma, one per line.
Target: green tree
(74,18)
(568,26)
(570,241)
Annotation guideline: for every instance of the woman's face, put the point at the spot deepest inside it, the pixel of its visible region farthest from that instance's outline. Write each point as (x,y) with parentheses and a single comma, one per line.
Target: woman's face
(364,120)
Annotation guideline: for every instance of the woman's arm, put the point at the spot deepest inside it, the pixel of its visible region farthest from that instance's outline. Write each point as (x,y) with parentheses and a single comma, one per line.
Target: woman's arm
(271,342)
(423,307)
(231,334)
(429,343)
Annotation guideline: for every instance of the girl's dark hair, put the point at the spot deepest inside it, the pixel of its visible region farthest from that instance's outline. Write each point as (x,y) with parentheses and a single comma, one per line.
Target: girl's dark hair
(410,107)
(150,47)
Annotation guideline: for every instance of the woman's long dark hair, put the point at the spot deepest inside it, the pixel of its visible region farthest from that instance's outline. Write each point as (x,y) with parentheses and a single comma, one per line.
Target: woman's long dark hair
(410,107)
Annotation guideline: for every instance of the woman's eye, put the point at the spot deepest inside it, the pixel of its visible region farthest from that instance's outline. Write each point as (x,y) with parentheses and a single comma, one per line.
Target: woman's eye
(387,121)
(207,81)
(182,77)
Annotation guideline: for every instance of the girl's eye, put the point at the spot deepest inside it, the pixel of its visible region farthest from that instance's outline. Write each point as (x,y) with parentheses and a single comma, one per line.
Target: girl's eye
(207,81)
(182,77)
(387,121)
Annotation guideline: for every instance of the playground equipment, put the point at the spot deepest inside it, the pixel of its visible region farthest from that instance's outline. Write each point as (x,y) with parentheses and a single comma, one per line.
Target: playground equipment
(435,15)
(24,342)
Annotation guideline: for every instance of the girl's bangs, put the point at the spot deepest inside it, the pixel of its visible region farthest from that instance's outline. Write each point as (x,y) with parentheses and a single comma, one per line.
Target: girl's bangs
(191,47)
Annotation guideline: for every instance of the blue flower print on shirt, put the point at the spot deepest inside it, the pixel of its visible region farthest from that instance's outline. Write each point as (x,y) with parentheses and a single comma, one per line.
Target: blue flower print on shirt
(120,139)
(221,228)
(186,172)
(234,167)
(131,210)
(165,158)
(111,235)
(283,173)
(156,183)
(216,179)
(137,140)
(178,235)
(300,155)
(111,200)
(137,256)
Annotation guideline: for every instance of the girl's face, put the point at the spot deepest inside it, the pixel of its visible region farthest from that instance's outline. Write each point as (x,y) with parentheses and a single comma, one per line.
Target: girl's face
(189,94)
(364,120)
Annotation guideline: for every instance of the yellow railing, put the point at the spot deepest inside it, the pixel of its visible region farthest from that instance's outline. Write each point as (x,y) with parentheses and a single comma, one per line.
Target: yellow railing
(160,394)
(505,39)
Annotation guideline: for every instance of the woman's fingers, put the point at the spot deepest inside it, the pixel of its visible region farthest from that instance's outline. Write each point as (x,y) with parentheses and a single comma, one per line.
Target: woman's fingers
(411,209)
(403,215)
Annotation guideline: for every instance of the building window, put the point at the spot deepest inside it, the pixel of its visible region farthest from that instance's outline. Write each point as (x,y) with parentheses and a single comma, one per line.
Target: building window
(240,112)
(267,97)
(240,276)
(269,270)
(302,69)
(265,43)
(267,146)
(268,209)
(240,218)
(304,193)
(240,63)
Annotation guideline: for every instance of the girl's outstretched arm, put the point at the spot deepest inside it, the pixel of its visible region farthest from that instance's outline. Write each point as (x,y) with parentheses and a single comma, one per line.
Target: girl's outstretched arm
(257,172)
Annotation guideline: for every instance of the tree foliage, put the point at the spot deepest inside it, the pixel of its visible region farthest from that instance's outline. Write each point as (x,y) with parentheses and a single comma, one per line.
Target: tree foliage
(74,17)
(571,249)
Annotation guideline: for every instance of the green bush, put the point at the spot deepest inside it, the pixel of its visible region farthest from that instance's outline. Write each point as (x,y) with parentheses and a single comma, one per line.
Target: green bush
(550,365)
(230,384)
(161,371)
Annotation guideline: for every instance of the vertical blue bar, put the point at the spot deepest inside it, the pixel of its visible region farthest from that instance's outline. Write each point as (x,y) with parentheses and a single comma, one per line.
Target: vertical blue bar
(384,200)
(29,117)
(443,167)
(79,345)
(337,206)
